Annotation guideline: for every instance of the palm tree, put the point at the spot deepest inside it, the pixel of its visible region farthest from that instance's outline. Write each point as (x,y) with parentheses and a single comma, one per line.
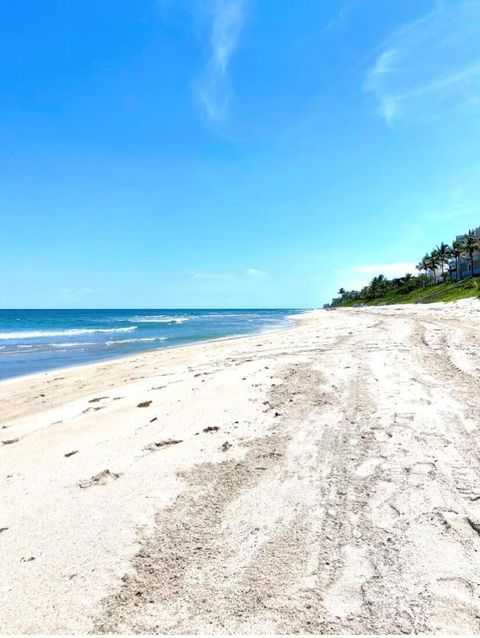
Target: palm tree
(443,253)
(470,246)
(434,263)
(424,264)
(457,251)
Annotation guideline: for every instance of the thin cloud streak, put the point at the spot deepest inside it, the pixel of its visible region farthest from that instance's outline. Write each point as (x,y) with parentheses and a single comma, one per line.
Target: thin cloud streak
(339,18)
(396,269)
(212,276)
(259,274)
(75,294)
(429,67)
(356,277)
(254,273)
(213,88)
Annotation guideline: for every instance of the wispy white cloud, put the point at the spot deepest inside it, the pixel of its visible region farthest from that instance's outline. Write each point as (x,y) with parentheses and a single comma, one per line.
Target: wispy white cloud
(260,274)
(249,273)
(357,277)
(213,88)
(397,269)
(212,276)
(456,211)
(339,18)
(431,66)
(75,294)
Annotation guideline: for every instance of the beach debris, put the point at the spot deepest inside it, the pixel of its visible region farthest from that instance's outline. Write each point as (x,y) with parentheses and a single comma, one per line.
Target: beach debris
(102,478)
(475,525)
(3,529)
(93,408)
(272,454)
(9,441)
(96,399)
(67,454)
(155,418)
(144,404)
(27,560)
(156,445)
(211,428)
(225,446)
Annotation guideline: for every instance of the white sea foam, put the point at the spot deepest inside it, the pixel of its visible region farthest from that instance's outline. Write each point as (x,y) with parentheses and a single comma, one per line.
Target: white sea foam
(71,344)
(113,341)
(159,319)
(34,334)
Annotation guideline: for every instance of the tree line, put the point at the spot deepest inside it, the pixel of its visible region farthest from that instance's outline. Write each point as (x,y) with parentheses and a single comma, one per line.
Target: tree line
(441,264)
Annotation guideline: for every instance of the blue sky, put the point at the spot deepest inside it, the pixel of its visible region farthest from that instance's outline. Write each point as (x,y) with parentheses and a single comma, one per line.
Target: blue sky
(231,153)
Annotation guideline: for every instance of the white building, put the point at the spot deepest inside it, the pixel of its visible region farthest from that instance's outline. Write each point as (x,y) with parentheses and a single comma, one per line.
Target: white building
(464,262)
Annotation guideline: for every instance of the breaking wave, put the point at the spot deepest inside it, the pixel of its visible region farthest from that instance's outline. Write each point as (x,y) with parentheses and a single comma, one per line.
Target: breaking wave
(35,334)
(159,319)
(113,341)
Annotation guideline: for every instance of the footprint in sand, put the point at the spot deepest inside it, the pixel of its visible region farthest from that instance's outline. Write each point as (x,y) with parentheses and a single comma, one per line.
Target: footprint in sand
(474,524)
(94,409)
(157,445)
(102,478)
(344,596)
(9,441)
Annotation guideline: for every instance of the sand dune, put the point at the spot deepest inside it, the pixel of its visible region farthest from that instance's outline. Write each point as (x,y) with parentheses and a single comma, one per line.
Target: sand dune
(324,478)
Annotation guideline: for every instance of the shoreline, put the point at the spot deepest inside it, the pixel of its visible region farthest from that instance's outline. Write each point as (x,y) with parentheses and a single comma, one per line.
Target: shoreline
(306,480)
(41,373)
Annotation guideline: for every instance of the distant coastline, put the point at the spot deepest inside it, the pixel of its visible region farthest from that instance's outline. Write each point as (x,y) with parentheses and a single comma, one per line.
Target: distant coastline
(447,273)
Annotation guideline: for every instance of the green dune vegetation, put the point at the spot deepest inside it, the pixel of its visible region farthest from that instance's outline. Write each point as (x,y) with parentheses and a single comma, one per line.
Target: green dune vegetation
(447,273)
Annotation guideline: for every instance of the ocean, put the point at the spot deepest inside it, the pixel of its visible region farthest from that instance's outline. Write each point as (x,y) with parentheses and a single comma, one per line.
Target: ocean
(40,340)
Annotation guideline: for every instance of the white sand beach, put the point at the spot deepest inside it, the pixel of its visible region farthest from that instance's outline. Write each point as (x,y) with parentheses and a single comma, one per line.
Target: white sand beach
(324,478)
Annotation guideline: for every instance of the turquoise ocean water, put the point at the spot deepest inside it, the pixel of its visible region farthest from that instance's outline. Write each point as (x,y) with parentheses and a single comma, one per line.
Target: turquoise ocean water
(39,340)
